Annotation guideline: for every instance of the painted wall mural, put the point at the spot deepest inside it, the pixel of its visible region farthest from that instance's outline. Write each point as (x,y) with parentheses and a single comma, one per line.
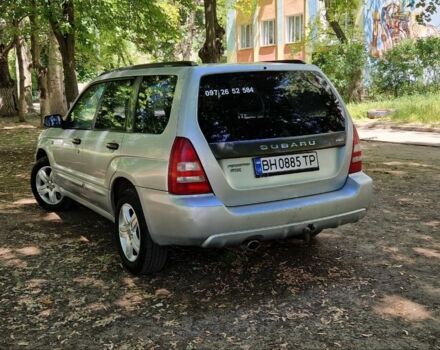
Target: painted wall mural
(387,22)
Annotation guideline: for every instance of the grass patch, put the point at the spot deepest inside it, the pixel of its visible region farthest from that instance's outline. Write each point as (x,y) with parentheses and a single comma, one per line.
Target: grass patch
(415,109)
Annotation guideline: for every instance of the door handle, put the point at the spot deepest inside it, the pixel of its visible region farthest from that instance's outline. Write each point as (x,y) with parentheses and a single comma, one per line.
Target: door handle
(76,141)
(112,145)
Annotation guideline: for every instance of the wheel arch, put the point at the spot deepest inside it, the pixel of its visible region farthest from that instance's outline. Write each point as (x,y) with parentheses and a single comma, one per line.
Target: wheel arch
(119,183)
(40,154)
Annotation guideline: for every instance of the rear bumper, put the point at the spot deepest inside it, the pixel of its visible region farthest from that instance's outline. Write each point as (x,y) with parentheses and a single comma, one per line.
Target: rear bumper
(205,221)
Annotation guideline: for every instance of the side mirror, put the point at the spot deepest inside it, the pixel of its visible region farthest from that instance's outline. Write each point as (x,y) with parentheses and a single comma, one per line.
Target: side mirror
(53,121)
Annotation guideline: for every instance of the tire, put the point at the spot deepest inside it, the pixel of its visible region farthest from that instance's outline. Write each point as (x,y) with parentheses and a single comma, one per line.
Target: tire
(139,254)
(45,191)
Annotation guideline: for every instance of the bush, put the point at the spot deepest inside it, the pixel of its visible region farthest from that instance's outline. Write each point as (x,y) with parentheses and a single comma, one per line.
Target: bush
(429,56)
(344,65)
(410,67)
(419,109)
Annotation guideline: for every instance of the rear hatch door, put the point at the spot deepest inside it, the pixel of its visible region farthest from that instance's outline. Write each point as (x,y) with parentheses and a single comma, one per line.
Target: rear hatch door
(271,135)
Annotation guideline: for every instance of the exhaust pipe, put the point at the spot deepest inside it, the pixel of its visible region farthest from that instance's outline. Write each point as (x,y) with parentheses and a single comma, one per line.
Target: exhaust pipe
(252,245)
(307,233)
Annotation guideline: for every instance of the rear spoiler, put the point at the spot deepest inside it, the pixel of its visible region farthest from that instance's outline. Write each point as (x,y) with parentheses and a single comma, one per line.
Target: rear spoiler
(286,61)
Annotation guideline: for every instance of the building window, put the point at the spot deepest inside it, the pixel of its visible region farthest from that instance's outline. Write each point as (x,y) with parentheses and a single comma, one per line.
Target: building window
(245,36)
(268,33)
(295,28)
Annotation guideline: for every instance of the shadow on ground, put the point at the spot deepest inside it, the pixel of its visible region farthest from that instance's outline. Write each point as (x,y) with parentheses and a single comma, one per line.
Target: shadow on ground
(374,284)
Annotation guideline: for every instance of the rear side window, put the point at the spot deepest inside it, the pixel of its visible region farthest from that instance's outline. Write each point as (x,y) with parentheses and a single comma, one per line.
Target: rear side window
(153,106)
(264,105)
(82,114)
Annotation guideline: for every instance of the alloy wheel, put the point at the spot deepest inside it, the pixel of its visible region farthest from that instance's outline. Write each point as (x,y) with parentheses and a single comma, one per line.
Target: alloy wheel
(47,189)
(129,232)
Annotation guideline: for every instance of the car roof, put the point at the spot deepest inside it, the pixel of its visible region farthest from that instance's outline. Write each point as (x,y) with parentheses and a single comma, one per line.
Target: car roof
(201,69)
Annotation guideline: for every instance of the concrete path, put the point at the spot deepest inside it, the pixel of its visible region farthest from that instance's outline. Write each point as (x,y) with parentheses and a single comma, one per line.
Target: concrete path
(399,136)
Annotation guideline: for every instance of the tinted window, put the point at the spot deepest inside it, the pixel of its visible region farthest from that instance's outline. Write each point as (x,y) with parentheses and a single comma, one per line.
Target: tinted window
(154,103)
(115,105)
(264,105)
(82,114)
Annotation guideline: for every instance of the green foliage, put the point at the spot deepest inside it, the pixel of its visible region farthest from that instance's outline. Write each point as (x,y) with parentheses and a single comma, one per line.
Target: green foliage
(343,63)
(342,57)
(113,33)
(246,7)
(428,50)
(108,33)
(429,8)
(342,11)
(191,31)
(12,14)
(419,109)
(407,68)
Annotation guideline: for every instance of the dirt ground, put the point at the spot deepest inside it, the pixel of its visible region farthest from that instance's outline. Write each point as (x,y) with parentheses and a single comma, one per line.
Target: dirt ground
(371,285)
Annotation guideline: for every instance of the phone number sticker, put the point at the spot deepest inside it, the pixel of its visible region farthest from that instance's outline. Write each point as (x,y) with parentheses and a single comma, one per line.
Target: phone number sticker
(231,91)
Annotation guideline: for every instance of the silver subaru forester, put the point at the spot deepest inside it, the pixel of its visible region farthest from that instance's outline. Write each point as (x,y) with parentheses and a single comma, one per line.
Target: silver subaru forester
(205,155)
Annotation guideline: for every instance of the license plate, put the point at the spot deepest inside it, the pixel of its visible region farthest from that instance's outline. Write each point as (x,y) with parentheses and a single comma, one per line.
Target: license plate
(287,164)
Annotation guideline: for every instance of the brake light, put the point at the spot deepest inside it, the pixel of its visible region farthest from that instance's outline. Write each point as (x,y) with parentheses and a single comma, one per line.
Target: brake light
(185,173)
(356,155)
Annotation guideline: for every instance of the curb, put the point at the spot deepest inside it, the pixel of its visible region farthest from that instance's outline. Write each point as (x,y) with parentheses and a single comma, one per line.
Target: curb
(409,143)
(385,125)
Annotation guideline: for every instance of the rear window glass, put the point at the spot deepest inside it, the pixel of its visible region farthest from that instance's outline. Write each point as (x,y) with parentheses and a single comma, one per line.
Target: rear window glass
(264,105)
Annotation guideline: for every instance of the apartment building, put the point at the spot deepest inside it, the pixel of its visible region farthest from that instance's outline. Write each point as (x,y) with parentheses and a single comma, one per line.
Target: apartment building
(275,31)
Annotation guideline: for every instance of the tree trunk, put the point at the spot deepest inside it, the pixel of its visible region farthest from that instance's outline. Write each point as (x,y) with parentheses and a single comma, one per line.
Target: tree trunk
(22,105)
(188,43)
(70,81)
(184,48)
(39,69)
(8,93)
(355,87)
(212,49)
(44,96)
(55,78)
(66,42)
(27,65)
(8,101)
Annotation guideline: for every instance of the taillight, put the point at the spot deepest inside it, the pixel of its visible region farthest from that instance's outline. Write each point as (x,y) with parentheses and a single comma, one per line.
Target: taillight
(356,155)
(185,172)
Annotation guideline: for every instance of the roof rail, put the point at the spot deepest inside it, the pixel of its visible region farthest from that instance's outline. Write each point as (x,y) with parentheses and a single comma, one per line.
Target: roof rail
(154,65)
(286,61)
(163,64)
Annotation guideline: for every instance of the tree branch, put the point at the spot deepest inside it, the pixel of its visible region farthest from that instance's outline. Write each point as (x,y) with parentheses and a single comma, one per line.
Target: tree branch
(8,47)
(334,24)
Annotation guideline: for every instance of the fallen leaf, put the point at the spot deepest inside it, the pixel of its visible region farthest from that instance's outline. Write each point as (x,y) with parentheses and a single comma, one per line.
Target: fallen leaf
(162,293)
(47,301)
